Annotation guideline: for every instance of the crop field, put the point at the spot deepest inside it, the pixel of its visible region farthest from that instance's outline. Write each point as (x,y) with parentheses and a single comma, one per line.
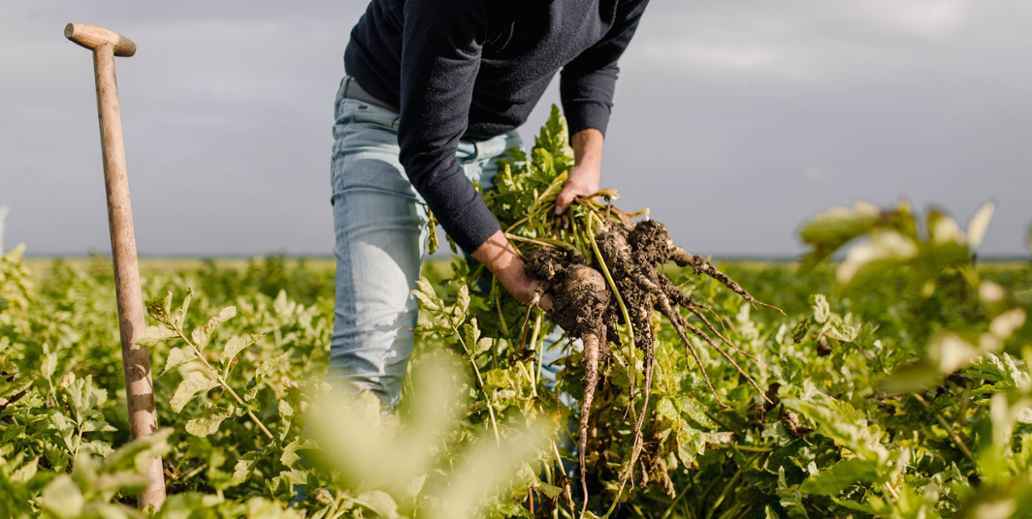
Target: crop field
(893,383)
(844,452)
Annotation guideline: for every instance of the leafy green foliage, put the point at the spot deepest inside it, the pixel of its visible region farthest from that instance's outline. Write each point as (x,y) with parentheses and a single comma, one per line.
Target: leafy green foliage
(838,439)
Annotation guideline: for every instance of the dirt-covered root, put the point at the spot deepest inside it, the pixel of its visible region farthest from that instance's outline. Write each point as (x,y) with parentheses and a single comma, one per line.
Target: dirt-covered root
(581,300)
(616,250)
(592,343)
(701,266)
(618,255)
(548,264)
(580,296)
(583,305)
(651,243)
(680,299)
(675,321)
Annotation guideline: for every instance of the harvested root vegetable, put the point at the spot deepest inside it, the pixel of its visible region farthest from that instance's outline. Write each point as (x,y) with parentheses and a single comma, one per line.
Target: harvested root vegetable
(604,269)
(583,304)
(580,299)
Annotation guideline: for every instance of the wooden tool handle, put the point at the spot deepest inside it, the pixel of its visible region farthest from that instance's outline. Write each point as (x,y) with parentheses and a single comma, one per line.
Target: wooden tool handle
(94,36)
(105,45)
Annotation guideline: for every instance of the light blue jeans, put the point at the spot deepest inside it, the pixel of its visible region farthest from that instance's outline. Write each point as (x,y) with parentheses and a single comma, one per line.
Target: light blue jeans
(381,239)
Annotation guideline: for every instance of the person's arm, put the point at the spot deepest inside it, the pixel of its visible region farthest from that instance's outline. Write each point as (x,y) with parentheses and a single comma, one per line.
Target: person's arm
(587,86)
(586,174)
(440,60)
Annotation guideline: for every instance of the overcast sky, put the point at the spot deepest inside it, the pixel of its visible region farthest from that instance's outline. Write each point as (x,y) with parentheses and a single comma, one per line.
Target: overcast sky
(734,121)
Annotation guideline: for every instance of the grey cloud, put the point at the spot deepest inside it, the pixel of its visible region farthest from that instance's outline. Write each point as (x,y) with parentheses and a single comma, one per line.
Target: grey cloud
(734,120)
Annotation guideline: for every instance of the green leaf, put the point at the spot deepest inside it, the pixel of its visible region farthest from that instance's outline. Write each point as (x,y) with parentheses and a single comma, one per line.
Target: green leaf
(259,507)
(207,425)
(200,336)
(821,308)
(240,472)
(1005,324)
(551,491)
(950,352)
(379,502)
(979,224)
(289,456)
(841,422)
(471,335)
(284,409)
(180,317)
(233,347)
(883,250)
(177,357)
(836,478)
(194,382)
(912,378)
(113,511)
(943,229)
(153,335)
(62,498)
(27,471)
(139,452)
(835,227)
(49,365)
(461,306)
(484,345)
(666,408)
(161,311)
(426,295)
(845,330)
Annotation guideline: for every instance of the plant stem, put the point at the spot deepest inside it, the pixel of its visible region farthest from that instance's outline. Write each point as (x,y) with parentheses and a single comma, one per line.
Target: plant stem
(540,242)
(483,386)
(632,362)
(222,382)
(540,349)
(949,429)
(498,308)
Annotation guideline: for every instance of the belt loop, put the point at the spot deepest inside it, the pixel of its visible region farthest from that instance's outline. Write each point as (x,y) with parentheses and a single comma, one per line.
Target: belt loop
(476,150)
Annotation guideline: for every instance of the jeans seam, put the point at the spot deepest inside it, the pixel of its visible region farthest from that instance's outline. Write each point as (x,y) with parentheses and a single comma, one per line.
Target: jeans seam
(337,192)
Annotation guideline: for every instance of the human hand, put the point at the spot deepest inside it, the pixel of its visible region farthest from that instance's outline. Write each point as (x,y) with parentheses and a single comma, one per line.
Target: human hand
(584,181)
(498,255)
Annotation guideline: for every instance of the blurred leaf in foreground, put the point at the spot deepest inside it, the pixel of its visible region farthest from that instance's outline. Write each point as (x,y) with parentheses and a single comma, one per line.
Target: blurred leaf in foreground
(388,459)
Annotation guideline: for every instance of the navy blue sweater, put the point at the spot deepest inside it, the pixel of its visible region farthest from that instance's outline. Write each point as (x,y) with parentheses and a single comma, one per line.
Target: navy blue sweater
(474,69)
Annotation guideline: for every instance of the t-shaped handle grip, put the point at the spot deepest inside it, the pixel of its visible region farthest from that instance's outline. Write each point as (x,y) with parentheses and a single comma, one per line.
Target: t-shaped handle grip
(93,37)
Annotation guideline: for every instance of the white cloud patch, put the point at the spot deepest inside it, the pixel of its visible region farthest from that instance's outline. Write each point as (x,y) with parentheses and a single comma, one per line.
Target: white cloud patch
(927,18)
(797,40)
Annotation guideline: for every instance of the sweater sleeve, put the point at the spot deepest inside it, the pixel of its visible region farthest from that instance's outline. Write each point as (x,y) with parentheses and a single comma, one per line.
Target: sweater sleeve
(441,49)
(587,83)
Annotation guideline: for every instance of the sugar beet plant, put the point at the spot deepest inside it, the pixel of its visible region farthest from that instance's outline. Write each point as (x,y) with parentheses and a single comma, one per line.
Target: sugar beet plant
(604,269)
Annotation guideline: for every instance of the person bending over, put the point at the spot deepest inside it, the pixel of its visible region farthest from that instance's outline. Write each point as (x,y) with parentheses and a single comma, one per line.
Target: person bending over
(432,95)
